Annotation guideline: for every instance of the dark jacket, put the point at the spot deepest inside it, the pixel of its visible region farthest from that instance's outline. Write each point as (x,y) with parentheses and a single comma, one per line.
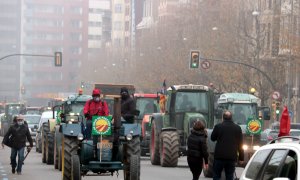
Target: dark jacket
(197,146)
(229,139)
(19,135)
(128,109)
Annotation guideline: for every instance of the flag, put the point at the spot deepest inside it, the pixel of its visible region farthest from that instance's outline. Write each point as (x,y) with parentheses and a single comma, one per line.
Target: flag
(164,87)
(285,123)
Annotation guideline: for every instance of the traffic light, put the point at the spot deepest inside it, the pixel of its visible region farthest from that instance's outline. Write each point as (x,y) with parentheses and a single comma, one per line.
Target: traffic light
(23,90)
(58,59)
(194,59)
(277,109)
(82,85)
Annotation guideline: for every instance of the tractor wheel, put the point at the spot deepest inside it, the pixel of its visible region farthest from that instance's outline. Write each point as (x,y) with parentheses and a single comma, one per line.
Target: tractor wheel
(75,171)
(45,130)
(55,155)
(59,165)
(133,147)
(40,146)
(70,148)
(50,148)
(132,170)
(169,148)
(209,171)
(154,146)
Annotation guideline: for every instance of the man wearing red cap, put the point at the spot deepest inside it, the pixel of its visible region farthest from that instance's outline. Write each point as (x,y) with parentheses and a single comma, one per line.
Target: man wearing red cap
(94,107)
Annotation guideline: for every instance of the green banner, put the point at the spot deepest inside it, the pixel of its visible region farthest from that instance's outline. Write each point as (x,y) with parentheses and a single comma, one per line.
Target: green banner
(254,126)
(101,125)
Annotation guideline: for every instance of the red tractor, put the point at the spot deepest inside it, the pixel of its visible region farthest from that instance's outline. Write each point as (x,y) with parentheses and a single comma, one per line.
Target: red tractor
(147,105)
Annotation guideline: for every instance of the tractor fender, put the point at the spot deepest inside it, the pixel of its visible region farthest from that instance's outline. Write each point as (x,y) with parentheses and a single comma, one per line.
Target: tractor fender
(71,129)
(168,129)
(51,124)
(158,119)
(210,144)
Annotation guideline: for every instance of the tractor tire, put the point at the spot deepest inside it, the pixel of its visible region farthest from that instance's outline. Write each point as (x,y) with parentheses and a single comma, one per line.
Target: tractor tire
(169,148)
(133,147)
(45,130)
(132,171)
(59,165)
(209,171)
(55,155)
(154,146)
(50,148)
(40,146)
(75,171)
(70,148)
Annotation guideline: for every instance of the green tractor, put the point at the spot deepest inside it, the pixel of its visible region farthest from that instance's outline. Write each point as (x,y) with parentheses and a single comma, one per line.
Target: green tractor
(114,147)
(246,111)
(11,110)
(169,131)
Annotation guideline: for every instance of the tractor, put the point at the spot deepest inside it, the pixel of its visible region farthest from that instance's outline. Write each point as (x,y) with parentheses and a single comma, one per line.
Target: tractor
(147,105)
(114,147)
(246,109)
(170,129)
(11,110)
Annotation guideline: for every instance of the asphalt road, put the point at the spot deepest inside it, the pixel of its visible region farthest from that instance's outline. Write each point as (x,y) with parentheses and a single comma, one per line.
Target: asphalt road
(34,169)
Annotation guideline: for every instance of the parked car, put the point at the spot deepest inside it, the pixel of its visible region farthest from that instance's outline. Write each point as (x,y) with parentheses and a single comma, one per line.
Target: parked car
(295,132)
(32,121)
(44,118)
(276,160)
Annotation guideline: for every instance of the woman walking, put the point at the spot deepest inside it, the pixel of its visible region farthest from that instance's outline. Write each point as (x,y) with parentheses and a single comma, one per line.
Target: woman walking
(197,149)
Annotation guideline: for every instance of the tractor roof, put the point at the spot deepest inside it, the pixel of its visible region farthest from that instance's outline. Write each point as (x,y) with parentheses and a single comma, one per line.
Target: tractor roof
(188,87)
(81,98)
(141,95)
(237,98)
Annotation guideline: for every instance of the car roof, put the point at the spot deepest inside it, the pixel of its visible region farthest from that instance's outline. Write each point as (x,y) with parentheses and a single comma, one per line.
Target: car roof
(32,115)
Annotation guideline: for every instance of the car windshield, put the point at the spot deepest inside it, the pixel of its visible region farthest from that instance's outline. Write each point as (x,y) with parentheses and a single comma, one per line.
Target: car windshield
(32,119)
(146,106)
(33,111)
(294,133)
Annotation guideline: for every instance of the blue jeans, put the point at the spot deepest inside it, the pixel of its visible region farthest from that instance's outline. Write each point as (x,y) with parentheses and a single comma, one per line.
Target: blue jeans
(227,165)
(13,157)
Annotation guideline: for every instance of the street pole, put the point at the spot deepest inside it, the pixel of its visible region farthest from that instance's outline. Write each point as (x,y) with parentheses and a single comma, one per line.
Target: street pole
(290,54)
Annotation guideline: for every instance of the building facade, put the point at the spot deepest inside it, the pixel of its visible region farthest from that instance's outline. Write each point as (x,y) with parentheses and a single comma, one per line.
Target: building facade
(49,26)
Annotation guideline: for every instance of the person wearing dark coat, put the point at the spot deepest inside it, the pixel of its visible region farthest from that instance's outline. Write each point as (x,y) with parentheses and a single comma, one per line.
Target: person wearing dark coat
(19,132)
(228,148)
(197,149)
(127,105)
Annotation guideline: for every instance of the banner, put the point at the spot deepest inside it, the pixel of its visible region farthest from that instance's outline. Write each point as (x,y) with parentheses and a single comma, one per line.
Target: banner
(254,126)
(101,125)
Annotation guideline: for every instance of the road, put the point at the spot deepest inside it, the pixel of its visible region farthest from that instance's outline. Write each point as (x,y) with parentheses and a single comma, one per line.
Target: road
(34,169)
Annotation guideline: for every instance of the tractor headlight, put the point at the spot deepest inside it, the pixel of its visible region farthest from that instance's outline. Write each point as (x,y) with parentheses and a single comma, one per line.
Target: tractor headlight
(245,147)
(129,136)
(80,137)
(255,148)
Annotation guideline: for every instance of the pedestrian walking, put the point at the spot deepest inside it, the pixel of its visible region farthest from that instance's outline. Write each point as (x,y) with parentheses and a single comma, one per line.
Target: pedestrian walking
(228,148)
(16,136)
(197,149)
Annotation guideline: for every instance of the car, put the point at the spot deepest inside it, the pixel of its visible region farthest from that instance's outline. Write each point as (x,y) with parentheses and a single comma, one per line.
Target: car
(276,160)
(33,110)
(44,118)
(32,122)
(267,135)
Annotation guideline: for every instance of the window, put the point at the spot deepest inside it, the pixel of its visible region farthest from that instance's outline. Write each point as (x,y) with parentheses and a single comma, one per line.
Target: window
(118,26)
(94,24)
(76,10)
(270,4)
(289,168)
(118,8)
(273,165)
(191,101)
(76,24)
(257,163)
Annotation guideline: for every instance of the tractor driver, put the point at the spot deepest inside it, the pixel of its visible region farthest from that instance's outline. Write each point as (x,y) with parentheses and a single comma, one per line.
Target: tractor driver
(94,107)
